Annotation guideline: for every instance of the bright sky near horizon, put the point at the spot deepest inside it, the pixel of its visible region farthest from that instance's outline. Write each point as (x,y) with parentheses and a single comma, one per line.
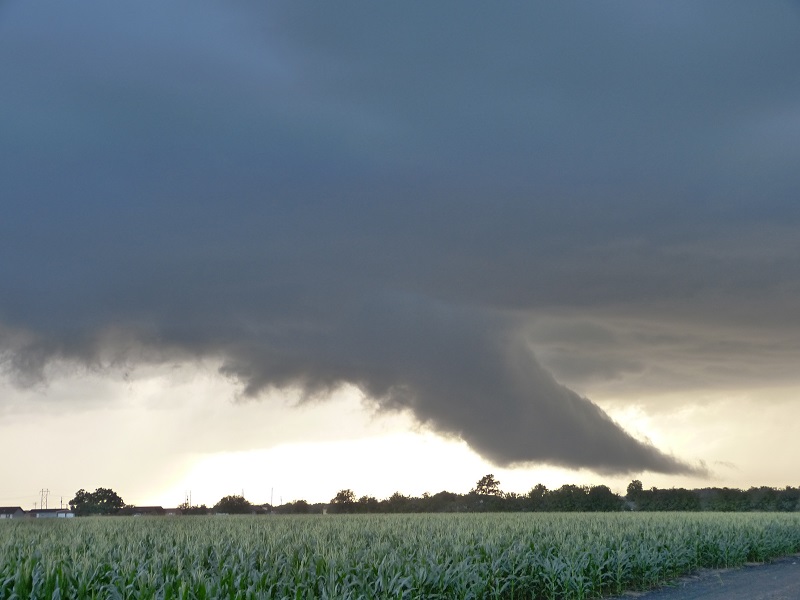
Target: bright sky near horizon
(289,248)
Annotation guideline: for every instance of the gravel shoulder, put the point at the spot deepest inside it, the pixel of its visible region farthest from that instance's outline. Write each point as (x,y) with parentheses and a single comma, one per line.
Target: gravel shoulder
(776,580)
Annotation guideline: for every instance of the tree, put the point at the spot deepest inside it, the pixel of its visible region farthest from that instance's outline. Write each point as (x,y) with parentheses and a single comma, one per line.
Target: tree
(344,502)
(444,501)
(398,503)
(233,505)
(601,498)
(107,500)
(537,497)
(299,507)
(567,498)
(368,504)
(81,503)
(635,489)
(190,510)
(488,486)
(103,501)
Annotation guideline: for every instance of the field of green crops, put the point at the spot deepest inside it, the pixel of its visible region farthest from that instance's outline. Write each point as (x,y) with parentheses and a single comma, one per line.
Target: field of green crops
(384,556)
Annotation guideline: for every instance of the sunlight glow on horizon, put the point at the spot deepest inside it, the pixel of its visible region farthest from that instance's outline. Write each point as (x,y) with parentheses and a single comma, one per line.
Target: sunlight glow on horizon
(410,463)
(162,434)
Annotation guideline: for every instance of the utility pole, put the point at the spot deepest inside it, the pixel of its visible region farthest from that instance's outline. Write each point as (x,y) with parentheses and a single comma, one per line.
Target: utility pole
(43,498)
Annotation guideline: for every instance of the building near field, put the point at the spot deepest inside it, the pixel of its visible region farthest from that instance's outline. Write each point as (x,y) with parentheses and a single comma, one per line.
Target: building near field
(11,512)
(143,511)
(149,511)
(50,513)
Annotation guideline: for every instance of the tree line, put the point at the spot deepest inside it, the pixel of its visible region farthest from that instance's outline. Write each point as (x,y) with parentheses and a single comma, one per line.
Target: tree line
(105,501)
(724,499)
(487,496)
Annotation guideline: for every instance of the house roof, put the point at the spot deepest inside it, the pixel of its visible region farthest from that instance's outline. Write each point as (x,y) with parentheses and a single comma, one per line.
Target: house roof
(10,510)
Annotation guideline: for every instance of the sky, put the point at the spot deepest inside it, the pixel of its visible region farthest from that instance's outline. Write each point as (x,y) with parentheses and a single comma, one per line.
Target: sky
(282,249)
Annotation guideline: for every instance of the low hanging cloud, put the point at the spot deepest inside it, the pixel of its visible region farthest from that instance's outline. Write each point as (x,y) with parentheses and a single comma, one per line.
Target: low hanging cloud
(370,195)
(465,373)
(472,375)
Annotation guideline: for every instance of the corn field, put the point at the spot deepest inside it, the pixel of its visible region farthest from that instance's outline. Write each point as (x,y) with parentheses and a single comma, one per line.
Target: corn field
(523,556)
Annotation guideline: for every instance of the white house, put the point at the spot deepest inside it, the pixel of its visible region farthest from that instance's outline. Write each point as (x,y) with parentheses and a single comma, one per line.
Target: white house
(51,513)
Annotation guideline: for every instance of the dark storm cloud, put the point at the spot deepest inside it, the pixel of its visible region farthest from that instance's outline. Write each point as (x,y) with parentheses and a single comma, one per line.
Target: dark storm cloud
(372,194)
(464,373)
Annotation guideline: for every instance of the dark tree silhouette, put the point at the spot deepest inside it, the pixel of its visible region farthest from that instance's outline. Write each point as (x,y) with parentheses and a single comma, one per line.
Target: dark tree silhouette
(488,486)
(634,490)
(233,505)
(343,502)
(103,501)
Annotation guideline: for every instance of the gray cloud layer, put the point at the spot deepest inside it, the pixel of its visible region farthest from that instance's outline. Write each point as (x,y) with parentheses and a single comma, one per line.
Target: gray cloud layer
(371,194)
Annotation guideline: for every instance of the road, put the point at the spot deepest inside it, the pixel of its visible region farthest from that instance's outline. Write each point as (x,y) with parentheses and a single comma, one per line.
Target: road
(778,580)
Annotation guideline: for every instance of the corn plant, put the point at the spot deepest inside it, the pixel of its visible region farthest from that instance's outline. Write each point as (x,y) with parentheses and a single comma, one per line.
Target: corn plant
(400,557)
